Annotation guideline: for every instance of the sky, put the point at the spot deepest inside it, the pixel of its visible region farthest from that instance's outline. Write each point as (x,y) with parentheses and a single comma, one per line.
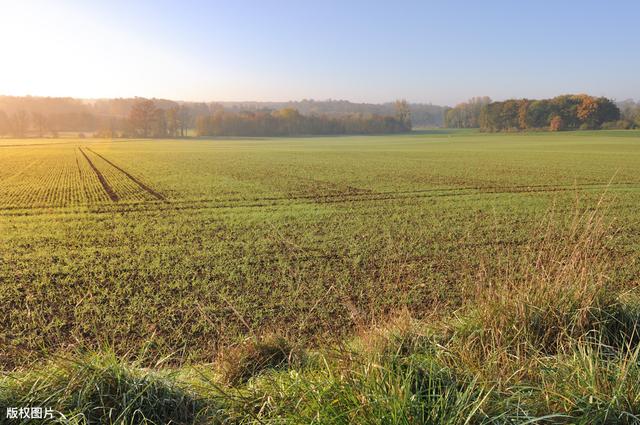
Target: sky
(440,52)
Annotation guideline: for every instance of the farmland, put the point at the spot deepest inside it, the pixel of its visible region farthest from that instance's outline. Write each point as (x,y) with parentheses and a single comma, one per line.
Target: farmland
(503,267)
(189,246)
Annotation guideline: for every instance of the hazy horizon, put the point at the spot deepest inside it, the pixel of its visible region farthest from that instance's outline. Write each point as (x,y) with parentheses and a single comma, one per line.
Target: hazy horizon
(279,51)
(249,101)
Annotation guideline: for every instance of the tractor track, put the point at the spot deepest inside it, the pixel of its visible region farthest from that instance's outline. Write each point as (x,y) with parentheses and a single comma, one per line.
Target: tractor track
(140,184)
(282,201)
(203,204)
(103,181)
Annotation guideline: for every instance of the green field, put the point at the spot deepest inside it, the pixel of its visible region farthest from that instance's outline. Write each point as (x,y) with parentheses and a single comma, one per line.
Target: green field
(434,277)
(186,246)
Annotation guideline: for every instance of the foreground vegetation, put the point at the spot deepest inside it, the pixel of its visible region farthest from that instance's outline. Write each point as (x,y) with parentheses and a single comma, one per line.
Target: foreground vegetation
(550,339)
(427,278)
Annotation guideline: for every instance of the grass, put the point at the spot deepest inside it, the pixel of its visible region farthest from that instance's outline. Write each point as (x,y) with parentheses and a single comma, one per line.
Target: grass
(239,364)
(98,389)
(522,352)
(509,262)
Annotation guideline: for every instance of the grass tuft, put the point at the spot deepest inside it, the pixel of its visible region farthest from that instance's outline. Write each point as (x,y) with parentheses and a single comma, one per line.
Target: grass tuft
(255,356)
(100,389)
(592,384)
(361,388)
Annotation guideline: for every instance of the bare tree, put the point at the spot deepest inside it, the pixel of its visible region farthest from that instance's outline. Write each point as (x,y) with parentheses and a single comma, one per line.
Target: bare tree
(159,123)
(173,121)
(403,113)
(39,122)
(142,116)
(19,123)
(184,120)
(4,123)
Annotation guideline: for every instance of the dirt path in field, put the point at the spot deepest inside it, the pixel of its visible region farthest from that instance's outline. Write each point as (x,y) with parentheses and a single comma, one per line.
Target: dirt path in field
(105,185)
(142,186)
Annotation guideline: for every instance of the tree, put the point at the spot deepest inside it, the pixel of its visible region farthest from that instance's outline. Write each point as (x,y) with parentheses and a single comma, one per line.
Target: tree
(289,122)
(523,109)
(490,117)
(159,123)
(4,123)
(39,122)
(466,114)
(538,114)
(290,119)
(184,119)
(556,123)
(594,112)
(607,111)
(173,121)
(630,112)
(19,123)
(509,115)
(566,112)
(453,118)
(141,117)
(403,114)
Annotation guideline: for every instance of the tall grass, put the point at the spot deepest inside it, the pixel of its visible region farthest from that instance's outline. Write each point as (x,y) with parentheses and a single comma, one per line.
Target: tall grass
(556,294)
(592,384)
(100,389)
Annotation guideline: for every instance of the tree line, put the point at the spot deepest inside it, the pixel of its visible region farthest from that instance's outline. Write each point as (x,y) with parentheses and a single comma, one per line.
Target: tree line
(422,114)
(466,114)
(47,117)
(567,112)
(148,120)
(290,122)
(139,117)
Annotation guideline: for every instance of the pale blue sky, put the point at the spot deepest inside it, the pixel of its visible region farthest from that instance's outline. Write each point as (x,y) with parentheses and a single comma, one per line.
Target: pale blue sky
(370,51)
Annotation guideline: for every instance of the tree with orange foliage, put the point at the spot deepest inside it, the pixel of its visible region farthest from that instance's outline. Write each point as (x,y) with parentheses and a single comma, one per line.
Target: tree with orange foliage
(587,111)
(556,123)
